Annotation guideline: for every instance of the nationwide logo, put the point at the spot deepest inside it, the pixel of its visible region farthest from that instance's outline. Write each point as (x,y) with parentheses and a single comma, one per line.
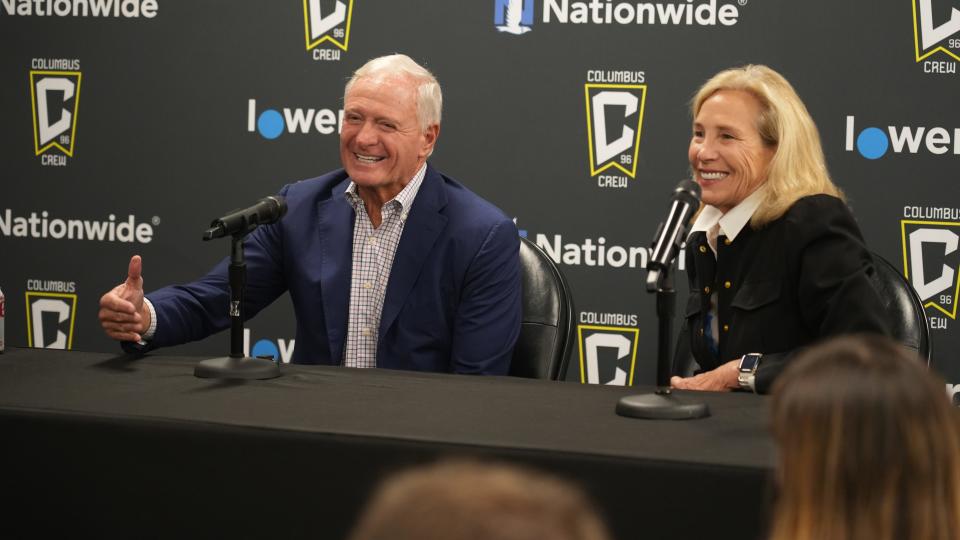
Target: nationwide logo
(282,348)
(931,35)
(614,123)
(271,123)
(513,16)
(43,226)
(873,142)
(128,9)
(55,100)
(608,354)
(517,16)
(596,252)
(327,22)
(51,315)
(931,259)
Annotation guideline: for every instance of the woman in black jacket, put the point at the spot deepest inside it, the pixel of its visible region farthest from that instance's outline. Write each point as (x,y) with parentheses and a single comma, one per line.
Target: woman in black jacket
(775,259)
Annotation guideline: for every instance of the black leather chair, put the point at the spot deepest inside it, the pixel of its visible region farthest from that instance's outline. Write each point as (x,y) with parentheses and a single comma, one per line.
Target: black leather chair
(907,318)
(546,329)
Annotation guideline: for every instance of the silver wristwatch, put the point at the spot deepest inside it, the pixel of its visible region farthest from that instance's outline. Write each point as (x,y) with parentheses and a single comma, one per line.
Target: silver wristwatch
(747,372)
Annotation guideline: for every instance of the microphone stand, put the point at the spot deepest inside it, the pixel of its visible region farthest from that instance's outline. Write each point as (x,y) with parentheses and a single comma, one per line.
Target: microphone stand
(236,366)
(662,404)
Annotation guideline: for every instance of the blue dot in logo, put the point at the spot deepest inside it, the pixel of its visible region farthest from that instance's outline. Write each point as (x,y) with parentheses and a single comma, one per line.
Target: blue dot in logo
(872,143)
(270,124)
(265,348)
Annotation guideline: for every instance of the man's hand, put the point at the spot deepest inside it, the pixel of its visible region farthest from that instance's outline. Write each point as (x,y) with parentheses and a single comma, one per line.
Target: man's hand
(123,314)
(721,379)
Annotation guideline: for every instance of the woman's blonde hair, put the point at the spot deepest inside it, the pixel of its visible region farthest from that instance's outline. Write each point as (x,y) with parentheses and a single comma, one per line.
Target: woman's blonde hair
(869,446)
(798,167)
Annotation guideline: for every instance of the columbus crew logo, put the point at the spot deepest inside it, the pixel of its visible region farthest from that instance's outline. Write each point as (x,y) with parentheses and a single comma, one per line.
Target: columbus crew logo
(50,318)
(614,122)
(931,34)
(327,21)
(608,354)
(931,260)
(55,97)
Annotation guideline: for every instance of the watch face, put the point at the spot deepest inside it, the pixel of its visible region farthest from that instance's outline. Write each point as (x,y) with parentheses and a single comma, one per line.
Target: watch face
(749,363)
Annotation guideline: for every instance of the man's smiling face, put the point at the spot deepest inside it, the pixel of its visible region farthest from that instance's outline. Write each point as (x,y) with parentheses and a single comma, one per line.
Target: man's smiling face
(382,144)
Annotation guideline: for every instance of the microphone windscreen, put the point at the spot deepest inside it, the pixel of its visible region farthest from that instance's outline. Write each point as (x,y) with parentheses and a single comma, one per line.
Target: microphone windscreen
(688,191)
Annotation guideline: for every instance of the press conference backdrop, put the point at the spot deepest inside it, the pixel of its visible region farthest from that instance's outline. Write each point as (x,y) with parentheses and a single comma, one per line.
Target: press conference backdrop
(129,124)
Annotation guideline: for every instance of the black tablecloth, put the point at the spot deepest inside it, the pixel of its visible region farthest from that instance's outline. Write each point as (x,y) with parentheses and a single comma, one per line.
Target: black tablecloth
(117,446)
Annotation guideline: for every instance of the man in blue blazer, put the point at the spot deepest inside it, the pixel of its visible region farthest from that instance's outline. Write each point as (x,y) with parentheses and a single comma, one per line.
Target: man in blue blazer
(389,263)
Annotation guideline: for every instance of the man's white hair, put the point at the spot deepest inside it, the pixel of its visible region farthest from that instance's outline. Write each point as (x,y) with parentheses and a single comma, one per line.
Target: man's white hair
(429,97)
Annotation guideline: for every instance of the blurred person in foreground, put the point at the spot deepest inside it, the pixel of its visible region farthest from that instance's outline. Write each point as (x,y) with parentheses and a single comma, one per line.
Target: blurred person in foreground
(869,446)
(775,260)
(389,263)
(476,501)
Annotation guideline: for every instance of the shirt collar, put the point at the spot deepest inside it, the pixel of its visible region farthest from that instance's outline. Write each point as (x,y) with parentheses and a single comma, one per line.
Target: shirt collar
(404,198)
(733,221)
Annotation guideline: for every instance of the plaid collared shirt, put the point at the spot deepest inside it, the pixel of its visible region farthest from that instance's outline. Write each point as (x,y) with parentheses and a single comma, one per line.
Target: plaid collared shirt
(373,251)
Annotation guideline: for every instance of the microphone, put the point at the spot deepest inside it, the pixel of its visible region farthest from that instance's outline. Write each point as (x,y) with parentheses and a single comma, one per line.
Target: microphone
(266,210)
(672,232)
(662,404)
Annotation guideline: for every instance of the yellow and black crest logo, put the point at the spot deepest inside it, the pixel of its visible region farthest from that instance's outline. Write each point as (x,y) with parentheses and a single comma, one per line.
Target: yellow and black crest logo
(931,261)
(614,123)
(56,101)
(50,318)
(327,21)
(931,34)
(608,354)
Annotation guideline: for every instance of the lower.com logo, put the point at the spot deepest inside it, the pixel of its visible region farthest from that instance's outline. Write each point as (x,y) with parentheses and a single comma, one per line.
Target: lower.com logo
(271,123)
(874,143)
(282,348)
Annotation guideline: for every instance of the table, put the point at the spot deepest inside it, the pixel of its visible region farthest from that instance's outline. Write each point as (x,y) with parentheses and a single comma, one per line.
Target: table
(119,446)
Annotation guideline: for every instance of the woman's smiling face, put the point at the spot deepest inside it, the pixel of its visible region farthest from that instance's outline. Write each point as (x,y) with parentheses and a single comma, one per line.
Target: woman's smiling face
(728,156)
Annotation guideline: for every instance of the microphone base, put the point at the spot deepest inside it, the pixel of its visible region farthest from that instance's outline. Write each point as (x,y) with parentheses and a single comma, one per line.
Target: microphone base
(659,406)
(229,367)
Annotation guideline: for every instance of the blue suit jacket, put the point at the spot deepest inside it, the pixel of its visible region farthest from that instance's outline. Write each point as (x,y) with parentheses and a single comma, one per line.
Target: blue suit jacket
(452,302)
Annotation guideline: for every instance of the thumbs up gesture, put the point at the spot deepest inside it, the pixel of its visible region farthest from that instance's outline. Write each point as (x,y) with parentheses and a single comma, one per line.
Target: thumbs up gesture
(123,314)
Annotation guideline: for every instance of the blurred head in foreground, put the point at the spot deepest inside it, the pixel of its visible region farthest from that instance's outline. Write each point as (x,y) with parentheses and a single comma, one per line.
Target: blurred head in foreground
(477,501)
(869,446)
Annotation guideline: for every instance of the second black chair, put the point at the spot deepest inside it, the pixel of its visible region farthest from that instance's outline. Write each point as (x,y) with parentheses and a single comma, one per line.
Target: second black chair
(908,321)
(546,330)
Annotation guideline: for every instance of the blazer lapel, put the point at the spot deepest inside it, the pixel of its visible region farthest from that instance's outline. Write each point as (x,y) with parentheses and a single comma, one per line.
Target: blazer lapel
(336,263)
(424,224)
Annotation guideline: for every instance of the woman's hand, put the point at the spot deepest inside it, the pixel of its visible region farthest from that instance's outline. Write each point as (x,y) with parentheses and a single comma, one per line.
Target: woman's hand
(721,379)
